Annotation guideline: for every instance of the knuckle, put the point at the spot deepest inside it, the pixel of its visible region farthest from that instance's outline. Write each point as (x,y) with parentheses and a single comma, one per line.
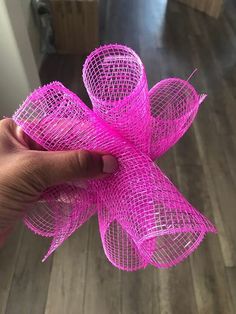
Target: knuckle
(7,126)
(86,164)
(6,123)
(31,165)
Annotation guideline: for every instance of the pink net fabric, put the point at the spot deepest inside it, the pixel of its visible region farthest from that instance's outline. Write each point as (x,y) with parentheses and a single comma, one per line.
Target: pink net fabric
(143,218)
(115,79)
(174,105)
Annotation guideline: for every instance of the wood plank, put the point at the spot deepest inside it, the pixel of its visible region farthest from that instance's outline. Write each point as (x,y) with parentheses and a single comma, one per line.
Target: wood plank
(151,45)
(209,277)
(30,281)
(225,189)
(137,291)
(231,274)
(210,7)
(188,158)
(123,24)
(186,150)
(170,282)
(102,282)
(213,158)
(222,189)
(91,22)
(67,280)
(208,142)
(170,297)
(219,50)
(230,153)
(226,241)
(8,258)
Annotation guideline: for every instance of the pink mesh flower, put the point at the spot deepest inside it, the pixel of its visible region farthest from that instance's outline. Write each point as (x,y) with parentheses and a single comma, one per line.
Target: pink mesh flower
(143,218)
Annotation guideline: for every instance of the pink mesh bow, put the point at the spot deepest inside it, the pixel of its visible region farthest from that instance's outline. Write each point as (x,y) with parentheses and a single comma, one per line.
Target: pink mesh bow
(143,218)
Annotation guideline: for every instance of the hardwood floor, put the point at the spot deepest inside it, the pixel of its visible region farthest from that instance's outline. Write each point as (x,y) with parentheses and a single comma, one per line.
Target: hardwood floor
(172,41)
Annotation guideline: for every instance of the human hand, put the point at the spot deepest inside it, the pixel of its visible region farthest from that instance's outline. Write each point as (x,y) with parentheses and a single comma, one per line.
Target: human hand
(26,170)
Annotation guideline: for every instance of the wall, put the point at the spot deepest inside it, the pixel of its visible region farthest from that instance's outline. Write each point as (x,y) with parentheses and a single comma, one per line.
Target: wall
(32,31)
(18,69)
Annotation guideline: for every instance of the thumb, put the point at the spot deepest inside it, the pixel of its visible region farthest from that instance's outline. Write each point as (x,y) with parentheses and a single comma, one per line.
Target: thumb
(57,167)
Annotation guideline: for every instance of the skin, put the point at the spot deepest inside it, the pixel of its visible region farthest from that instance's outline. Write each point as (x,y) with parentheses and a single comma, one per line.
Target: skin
(26,170)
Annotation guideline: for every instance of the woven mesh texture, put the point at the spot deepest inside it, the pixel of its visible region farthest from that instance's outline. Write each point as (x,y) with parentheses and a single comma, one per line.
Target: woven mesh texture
(174,105)
(143,218)
(115,79)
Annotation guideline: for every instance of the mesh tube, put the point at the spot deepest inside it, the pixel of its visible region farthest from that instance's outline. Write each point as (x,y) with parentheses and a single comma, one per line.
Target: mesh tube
(174,105)
(143,218)
(116,82)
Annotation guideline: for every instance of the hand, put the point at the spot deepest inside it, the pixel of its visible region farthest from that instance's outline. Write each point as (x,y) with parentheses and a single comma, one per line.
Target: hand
(26,170)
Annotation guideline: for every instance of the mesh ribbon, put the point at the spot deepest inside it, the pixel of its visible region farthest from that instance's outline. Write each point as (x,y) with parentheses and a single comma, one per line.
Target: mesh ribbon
(143,218)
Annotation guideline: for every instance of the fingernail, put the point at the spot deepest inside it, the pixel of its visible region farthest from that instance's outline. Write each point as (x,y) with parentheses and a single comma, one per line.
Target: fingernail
(110,164)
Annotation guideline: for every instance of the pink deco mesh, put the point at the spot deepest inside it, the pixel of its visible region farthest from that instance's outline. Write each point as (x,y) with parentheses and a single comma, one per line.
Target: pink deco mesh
(143,218)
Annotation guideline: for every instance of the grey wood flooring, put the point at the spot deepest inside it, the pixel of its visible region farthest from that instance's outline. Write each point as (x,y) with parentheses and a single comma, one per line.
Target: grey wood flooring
(172,41)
